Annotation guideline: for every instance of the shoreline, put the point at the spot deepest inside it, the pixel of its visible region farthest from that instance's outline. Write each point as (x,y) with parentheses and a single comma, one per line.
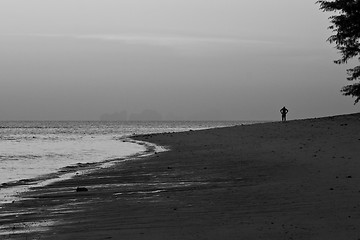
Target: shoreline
(20,192)
(14,182)
(14,190)
(293,180)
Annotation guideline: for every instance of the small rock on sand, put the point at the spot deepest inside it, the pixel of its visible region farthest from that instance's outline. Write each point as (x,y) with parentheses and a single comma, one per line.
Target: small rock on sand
(81,189)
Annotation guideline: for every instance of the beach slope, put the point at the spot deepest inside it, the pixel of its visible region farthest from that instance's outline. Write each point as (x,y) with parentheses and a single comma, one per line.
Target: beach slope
(293,180)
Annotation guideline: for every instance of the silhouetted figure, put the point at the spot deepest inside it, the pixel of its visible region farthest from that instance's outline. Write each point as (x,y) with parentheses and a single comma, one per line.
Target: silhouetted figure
(283,112)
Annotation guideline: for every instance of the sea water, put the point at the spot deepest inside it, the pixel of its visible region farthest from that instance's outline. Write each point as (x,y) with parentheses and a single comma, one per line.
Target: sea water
(39,152)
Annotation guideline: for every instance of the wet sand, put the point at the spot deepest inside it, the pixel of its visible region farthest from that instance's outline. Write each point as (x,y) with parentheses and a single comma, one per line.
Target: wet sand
(294,180)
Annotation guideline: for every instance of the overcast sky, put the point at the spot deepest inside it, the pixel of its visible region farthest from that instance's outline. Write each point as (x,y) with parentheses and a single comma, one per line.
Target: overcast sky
(187,59)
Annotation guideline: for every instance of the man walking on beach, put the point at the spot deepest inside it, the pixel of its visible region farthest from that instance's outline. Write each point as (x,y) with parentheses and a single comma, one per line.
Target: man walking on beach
(283,112)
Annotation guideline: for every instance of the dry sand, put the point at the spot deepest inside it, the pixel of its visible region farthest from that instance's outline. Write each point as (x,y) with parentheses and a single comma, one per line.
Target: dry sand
(294,180)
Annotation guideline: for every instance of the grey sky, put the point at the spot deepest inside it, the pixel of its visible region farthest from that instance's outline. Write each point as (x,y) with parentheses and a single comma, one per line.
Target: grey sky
(198,59)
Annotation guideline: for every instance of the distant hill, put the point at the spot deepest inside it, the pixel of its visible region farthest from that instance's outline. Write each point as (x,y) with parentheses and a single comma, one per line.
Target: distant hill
(145,115)
(117,116)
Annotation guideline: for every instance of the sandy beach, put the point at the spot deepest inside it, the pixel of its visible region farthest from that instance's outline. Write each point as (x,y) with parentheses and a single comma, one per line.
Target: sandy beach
(293,180)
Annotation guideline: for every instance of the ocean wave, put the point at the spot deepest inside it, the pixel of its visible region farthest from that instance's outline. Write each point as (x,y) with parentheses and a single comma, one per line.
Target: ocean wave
(18,157)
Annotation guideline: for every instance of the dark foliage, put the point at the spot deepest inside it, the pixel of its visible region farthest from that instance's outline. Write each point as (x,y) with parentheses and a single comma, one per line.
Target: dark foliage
(346,26)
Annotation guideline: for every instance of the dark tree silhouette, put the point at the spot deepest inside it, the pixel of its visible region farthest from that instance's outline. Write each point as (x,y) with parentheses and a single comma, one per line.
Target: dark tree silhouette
(346,26)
